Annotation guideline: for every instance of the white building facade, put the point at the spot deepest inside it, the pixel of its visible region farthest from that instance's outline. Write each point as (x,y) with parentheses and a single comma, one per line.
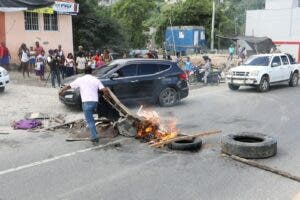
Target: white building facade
(280,21)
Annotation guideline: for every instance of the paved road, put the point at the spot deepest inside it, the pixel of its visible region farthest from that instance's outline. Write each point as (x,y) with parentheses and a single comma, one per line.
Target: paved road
(44,166)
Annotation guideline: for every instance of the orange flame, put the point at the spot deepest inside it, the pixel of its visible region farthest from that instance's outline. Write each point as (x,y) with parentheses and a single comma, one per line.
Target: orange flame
(153,129)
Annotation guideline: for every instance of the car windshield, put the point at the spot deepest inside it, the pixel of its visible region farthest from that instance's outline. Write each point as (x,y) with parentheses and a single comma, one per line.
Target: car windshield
(104,69)
(258,61)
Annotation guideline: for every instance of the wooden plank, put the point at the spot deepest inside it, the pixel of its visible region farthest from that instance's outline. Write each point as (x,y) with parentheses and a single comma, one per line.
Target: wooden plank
(201,134)
(256,164)
(60,125)
(73,139)
(119,106)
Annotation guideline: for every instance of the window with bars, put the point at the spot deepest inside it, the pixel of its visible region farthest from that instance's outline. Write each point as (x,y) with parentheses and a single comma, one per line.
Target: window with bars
(31,21)
(51,22)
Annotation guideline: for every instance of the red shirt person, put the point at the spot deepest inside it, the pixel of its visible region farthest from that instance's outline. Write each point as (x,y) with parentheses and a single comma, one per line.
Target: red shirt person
(1,52)
(38,49)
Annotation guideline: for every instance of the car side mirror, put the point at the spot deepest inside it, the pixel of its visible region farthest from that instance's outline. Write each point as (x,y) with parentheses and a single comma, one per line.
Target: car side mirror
(275,64)
(114,75)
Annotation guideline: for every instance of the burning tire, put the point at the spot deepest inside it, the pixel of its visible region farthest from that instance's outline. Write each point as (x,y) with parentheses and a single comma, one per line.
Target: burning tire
(249,145)
(192,144)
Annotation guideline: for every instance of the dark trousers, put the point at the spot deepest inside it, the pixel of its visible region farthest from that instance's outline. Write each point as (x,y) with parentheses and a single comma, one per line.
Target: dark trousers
(69,71)
(62,70)
(55,75)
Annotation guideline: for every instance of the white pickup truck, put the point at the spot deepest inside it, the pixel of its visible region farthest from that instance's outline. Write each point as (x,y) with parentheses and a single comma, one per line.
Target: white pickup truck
(4,79)
(263,70)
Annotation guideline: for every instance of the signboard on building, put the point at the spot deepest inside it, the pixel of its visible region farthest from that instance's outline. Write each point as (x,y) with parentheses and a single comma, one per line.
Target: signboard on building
(47,10)
(64,8)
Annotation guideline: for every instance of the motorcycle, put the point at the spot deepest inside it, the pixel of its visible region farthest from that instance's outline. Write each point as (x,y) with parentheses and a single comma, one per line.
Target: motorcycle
(197,75)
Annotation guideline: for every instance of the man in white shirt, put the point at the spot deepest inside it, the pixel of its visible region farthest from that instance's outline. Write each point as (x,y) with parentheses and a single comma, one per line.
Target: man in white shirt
(89,86)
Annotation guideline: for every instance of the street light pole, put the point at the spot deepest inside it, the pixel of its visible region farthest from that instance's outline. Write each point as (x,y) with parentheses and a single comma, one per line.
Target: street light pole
(212,37)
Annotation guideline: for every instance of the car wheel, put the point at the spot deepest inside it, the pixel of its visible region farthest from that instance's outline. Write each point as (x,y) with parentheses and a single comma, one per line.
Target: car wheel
(264,84)
(168,97)
(2,89)
(192,144)
(294,80)
(233,87)
(249,145)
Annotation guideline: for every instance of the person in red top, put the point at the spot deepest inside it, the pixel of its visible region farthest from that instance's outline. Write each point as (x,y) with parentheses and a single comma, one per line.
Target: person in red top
(5,55)
(38,49)
(1,53)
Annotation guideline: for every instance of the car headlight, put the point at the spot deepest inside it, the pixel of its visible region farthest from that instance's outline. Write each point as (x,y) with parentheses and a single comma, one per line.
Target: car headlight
(5,72)
(254,73)
(230,73)
(69,96)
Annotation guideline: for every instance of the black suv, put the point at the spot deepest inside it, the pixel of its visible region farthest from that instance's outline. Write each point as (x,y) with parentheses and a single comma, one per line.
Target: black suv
(160,81)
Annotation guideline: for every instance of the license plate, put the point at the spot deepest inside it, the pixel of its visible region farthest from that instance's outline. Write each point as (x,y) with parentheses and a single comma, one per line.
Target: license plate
(238,81)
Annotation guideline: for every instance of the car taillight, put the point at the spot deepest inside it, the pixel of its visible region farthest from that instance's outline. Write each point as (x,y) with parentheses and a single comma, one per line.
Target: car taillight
(182,76)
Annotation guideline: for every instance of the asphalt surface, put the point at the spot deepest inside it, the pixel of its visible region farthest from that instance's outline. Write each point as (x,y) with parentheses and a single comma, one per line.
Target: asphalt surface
(44,166)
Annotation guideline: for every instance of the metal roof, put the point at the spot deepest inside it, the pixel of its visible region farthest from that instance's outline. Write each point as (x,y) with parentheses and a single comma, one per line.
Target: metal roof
(29,4)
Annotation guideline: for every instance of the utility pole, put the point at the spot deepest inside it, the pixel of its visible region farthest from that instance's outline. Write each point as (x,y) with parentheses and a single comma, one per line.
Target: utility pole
(212,37)
(173,37)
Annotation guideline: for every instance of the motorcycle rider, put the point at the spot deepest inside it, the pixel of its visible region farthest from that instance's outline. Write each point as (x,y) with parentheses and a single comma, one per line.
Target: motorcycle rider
(207,68)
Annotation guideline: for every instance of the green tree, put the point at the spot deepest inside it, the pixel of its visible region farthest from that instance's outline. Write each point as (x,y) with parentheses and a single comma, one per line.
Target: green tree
(236,10)
(94,28)
(230,17)
(188,13)
(132,14)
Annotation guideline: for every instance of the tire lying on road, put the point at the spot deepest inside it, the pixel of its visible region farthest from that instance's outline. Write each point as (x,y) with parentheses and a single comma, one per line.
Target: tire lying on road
(249,145)
(192,144)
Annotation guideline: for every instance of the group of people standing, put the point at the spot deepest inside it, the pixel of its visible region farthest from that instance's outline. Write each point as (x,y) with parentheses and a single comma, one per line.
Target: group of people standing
(91,60)
(60,65)
(33,58)
(190,69)
(241,52)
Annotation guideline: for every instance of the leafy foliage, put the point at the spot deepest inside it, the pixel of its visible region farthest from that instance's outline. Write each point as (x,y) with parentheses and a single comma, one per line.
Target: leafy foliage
(94,28)
(132,15)
(230,16)
(125,24)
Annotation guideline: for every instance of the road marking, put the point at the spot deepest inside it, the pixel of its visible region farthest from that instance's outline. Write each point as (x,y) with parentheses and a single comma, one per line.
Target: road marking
(37,163)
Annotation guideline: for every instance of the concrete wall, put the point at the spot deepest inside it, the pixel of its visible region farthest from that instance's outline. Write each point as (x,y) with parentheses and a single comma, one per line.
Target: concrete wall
(280,4)
(281,25)
(16,34)
(2,27)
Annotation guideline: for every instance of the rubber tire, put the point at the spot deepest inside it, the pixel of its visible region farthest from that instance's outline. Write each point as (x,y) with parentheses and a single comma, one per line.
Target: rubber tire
(233,87)
(167,105)
(259,87)
(193,144)
(2,89)
(291,83)
(264,149)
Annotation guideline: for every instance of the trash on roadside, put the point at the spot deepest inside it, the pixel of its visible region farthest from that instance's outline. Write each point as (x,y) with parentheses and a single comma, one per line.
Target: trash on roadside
(79,130)
(36,115)
(37,120)
(26,124)
(146,126)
